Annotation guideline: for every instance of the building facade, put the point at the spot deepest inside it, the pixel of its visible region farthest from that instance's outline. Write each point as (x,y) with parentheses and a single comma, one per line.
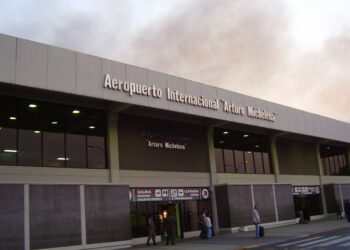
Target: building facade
(90,148)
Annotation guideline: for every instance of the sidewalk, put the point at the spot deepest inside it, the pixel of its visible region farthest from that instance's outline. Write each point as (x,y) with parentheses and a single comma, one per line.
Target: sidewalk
(242,240)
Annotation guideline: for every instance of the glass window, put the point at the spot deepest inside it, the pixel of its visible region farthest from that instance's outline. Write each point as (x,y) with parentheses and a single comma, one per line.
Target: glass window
(29,147)
(336,164)
(331,164)
(327,166)
(267,165)
(53,150)
(249,162)
(259,167)
(239,161)
(8,148)
(229,162)
(96,152)
(219,160)
(191,216)
(341,161)
(76,151)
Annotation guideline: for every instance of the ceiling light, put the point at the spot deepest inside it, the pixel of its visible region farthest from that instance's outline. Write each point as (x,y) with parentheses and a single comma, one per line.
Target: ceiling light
(328,147)
(249,152)
(75,111)
(13,118)
(245,135)
(37,131)
(62,159)
(91,127)
(10,150)
(225,132)
(54,122)
(32,105)
(257,146)
(221,142)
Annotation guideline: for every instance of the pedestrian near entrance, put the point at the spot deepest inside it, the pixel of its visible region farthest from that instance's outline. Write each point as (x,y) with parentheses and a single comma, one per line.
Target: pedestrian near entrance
(338,210)
(151,230)
(170,228)
(256,221)
(208,226)
(202,224)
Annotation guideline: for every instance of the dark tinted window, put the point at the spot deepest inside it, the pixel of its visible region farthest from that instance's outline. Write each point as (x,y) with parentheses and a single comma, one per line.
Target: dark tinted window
(240,165)
(229,161)
(219,160)
(53,150)
(76,151)
(96,152)
(267,165)
(29,147)
(8,148)
(259,168)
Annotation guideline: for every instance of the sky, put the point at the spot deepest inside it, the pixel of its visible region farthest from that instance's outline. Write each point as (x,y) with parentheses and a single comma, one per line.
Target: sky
(291,52)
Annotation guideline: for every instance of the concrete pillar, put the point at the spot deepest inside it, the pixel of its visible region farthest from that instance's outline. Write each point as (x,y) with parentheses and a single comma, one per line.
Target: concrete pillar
(274,157)
(213,177)
(112,146)
(320,170)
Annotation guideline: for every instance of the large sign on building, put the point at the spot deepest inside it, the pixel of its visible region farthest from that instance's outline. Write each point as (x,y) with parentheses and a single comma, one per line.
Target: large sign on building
(177,96)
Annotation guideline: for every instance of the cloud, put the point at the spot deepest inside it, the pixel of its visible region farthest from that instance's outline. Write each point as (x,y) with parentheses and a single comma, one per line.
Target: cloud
(240,45)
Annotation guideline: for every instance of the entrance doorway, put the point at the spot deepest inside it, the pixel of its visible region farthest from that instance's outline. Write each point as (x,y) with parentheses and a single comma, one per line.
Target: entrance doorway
(164,210)
(307,205)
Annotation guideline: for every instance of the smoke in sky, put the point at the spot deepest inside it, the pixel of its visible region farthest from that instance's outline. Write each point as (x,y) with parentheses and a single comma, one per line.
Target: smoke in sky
(238,45)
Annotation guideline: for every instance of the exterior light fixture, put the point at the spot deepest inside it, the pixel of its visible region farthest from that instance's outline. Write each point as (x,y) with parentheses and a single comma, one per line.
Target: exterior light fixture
(62,159)
(32,106)
(13,118)
(225,132)
(91,127)
(245,135)
(76,112)
(10,150)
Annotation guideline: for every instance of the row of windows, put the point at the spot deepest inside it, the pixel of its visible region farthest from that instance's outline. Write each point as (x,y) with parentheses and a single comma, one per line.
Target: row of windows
(44,134)
(30,148)
(243,162)
(335,165)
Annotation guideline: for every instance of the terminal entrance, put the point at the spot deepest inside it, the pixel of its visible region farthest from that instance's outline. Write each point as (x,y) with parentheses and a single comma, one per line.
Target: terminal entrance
(164,211)
(307,202)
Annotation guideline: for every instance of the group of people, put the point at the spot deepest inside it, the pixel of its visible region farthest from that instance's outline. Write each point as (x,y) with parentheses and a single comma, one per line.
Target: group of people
(205,225)
(170,229)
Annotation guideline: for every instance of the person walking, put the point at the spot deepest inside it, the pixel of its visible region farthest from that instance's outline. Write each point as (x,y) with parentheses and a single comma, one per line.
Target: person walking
(208,226)
(151,230)
(256,221)
(202,225)
(170,228)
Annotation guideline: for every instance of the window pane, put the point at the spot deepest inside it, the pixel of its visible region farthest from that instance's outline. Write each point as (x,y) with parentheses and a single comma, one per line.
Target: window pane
(326,166)
(96,152)
(267,166)
(29,147)
(76,151)
(239,160)
(219,160)
(53,149)
(341,161)
(8,148)
(331,163)
(191,216)
(336,164)
(249,162)
(259,168)
(228,159)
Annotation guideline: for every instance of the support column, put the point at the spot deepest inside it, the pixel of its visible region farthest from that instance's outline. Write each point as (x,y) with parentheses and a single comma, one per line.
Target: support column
(274,157)
(275,201)
(347,156)
(113,147)
(320,170)
(213,177)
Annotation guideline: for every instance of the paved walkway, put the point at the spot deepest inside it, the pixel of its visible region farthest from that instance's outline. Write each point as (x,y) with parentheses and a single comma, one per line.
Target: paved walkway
(245,240)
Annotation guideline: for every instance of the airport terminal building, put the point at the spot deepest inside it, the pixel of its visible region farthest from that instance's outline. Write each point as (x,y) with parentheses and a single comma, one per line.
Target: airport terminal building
(89,148)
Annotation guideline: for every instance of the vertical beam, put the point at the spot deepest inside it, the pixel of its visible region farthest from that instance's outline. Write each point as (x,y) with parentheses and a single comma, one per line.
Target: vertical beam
(252,193)
(347,156)
(320,171)
(341,198)
(26,218)
(274,157)
(213,176)
(113,147)
(275,201)
(82,215)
